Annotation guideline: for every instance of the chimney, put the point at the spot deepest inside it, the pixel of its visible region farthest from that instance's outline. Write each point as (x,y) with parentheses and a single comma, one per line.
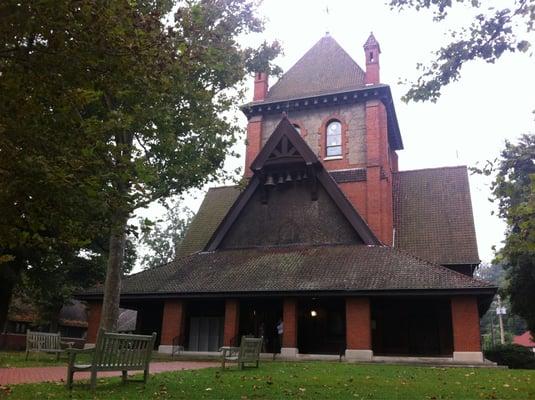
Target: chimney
(260,86)
(371,52)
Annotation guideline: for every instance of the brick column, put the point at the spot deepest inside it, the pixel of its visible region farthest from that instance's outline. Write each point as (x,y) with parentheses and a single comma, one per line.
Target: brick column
(172,324)
(465,323)
(254,142)
(94,309)
(358,329)
(289,333)
(232,321)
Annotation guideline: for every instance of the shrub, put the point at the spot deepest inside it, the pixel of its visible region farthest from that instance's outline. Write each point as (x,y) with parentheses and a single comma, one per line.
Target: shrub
(512,355)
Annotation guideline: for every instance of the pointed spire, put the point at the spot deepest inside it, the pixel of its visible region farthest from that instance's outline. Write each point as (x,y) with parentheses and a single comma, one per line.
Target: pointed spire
(372,42)
(371,52)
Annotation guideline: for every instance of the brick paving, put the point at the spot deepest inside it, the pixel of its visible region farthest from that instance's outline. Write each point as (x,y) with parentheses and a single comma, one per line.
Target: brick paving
(11,376)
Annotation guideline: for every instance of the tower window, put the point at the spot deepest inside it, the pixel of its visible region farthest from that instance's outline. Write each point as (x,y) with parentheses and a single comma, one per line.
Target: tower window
(334,139)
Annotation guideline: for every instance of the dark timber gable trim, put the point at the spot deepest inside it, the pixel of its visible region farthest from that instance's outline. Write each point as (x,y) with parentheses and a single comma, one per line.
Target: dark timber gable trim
(284,142)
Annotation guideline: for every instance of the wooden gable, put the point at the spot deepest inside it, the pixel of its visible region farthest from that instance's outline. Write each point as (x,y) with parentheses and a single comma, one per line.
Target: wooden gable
(291,199)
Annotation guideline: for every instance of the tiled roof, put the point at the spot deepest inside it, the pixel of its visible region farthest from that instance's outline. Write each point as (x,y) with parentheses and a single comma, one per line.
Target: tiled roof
(325,68)
(343,268)
(524,340)
(433,215)
(213,209)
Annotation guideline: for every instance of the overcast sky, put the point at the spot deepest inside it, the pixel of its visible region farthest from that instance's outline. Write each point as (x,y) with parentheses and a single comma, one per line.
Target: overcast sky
(469,123)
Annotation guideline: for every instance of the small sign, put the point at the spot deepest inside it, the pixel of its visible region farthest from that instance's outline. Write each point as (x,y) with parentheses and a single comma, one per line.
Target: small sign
(501,311)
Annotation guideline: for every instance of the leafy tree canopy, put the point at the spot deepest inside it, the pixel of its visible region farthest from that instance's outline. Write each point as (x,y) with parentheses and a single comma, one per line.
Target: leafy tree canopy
(514,191)
(108,106)
(162,238)
(502,27)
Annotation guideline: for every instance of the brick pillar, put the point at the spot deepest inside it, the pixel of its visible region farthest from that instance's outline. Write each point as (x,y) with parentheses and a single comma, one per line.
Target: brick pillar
(172,324)
(289,333)
(465,323)
(94,309)
(379,214)
(232,321)
(358,329)
(253,143)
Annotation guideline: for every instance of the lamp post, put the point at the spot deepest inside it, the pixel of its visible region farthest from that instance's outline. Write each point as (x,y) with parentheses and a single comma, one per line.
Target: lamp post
(500,311)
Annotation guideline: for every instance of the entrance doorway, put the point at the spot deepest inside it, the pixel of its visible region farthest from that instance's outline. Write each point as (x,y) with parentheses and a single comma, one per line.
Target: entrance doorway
(259,317)
(321,326)
(412,327)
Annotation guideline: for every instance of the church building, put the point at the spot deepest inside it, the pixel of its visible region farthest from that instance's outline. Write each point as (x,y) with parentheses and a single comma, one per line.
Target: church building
(356,258)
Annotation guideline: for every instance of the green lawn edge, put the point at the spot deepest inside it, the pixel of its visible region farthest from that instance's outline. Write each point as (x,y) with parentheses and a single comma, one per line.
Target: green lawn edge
(307,380)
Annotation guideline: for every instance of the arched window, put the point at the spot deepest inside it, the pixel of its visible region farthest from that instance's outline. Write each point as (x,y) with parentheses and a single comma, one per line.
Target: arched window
(333,139)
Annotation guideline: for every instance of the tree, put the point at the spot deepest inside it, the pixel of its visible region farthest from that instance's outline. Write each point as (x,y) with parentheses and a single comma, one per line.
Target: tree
(162,238)
(142,101)
(514,190)
(493,33)
(513,324)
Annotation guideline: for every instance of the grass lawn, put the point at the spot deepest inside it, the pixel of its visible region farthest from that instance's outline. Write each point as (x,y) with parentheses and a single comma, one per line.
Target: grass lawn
(306,380)
(11,359)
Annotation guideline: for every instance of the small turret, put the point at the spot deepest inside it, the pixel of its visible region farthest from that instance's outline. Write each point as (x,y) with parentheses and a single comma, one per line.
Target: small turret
(371,52)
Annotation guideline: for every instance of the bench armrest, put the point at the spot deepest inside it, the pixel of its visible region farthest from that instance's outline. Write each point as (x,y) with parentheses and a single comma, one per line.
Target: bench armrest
(66,345)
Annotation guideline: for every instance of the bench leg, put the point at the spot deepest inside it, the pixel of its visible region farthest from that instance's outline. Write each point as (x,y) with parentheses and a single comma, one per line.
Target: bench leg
(146,375)
(57,356)
(70,375)
(27,352)
(125,374)
(93,383)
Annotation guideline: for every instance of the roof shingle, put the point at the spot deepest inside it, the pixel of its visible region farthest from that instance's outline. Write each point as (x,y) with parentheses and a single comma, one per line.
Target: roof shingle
(433,215)
(344,268)
(325,68)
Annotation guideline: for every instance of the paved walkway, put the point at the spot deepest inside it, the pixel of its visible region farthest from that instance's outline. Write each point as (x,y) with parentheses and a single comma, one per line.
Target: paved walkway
(11,376)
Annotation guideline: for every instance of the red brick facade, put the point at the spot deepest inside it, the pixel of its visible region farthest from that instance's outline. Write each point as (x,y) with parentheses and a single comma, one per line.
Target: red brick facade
(358,323)
(289,319)
(232,319)
(465,321)
(172,322)
(93,320)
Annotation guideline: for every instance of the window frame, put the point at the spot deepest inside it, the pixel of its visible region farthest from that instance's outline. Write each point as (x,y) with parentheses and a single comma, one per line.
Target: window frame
(339,134)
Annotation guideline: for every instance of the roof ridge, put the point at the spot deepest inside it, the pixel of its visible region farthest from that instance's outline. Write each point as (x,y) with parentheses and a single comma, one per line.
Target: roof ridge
(433,168)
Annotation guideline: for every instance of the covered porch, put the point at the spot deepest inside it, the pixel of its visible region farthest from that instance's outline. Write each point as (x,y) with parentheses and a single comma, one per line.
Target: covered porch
(357,328)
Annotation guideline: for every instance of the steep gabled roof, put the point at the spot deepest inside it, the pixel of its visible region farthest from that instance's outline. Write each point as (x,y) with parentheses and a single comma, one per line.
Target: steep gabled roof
(433,215)
(294,150)
(325,68)
(335,269)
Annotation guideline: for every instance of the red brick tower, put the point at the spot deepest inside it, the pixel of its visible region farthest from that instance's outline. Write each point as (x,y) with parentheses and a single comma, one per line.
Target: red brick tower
(345,115)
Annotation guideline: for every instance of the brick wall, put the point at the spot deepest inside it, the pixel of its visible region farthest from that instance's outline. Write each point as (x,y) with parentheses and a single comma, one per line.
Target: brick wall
(289,319)
(93,320)
(172,321)
(232,320)
(358,323)
(465,321)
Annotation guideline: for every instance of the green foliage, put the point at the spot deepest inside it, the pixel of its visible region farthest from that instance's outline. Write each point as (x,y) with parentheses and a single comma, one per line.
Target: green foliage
(512,355)
(303,380)
(161,239)
(514,190)
(493,33)
(106,108)
(513,324)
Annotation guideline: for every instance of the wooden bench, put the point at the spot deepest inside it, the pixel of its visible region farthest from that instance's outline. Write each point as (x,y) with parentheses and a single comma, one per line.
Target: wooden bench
(114,352)
(43,342)
(247,353)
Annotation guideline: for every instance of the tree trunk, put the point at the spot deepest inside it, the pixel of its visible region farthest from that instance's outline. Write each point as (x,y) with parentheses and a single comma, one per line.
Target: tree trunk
(112,285)
(9,276)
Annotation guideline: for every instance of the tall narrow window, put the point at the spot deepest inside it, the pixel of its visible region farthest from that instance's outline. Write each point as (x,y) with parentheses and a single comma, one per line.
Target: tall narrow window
(334,139)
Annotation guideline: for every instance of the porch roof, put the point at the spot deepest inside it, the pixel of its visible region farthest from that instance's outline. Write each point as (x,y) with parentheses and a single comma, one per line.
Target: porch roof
(302,269)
